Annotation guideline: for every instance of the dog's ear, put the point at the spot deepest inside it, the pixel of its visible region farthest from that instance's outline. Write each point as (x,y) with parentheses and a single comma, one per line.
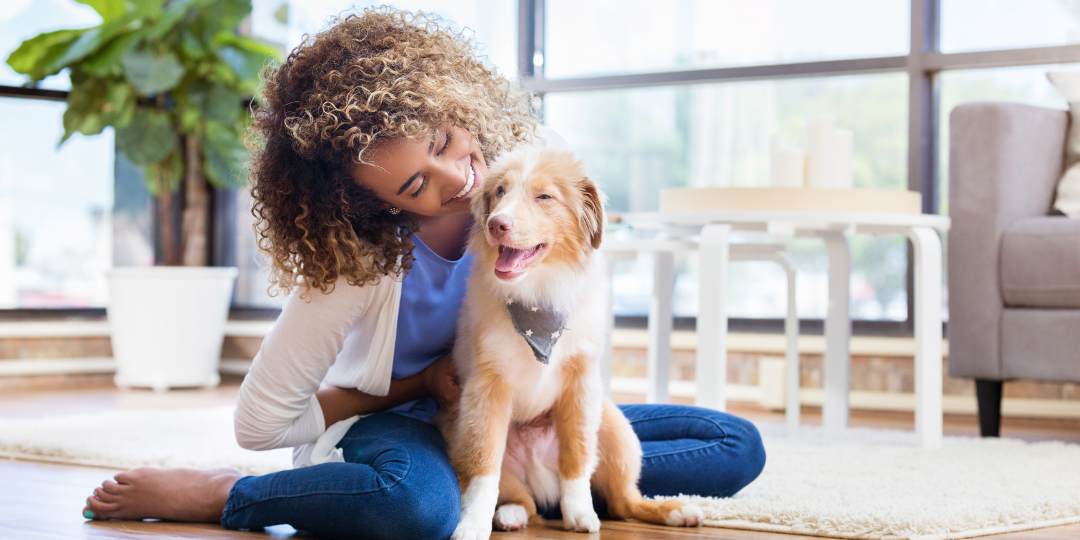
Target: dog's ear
(592,212)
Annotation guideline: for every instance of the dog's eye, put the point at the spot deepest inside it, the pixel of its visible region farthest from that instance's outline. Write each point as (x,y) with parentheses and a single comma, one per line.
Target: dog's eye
(500,191)
(544,197)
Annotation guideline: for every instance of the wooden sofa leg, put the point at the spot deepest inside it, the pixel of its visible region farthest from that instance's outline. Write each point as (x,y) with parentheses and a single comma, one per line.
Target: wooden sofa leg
(988,393)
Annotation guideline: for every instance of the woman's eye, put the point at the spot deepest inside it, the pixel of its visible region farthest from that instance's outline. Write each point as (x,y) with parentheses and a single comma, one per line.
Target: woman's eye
(544,197)
(500,192)
(446,144)
(420,190)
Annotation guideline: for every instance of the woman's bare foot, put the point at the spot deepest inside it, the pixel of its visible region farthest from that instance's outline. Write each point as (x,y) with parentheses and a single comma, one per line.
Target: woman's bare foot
(191,495)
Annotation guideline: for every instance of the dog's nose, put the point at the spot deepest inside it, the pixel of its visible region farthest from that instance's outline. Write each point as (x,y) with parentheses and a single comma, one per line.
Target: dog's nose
(498,226)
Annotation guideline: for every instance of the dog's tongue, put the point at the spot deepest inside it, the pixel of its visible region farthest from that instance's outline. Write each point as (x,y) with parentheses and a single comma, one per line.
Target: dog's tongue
(509,259)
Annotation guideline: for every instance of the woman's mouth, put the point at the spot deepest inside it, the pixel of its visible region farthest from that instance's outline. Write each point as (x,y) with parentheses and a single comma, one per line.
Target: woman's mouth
(470,181)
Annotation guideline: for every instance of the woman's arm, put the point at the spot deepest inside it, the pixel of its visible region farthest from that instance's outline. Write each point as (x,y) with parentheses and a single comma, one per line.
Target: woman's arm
(438,380)
(277,406)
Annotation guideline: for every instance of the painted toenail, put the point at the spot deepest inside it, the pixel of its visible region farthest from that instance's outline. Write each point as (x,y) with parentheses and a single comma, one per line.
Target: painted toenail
(88,514)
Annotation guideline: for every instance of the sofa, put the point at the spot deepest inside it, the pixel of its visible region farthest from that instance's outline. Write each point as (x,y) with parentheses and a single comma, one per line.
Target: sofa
(1013,266)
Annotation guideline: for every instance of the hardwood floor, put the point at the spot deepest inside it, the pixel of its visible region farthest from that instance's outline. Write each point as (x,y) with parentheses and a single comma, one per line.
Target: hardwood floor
(42,501)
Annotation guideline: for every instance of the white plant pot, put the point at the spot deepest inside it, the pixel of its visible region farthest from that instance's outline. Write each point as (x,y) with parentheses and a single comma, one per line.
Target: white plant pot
(167,324)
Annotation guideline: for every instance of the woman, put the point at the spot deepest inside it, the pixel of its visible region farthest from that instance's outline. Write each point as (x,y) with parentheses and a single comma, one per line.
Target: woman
(374,134)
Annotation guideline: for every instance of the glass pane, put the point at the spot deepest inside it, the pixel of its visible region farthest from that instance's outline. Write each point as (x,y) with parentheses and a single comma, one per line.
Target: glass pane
(23,19)
(55,235)
(626,36)
(979,25)
(493,21)
(639,141)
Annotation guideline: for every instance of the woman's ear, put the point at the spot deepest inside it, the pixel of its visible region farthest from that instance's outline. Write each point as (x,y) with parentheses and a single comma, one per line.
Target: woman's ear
(592,213)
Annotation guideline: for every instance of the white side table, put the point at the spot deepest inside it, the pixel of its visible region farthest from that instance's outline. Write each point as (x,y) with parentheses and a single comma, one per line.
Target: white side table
(658,352)
(834,228)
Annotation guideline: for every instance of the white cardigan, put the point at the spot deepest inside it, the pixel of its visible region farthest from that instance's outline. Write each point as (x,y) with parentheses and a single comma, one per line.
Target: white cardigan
(345,339)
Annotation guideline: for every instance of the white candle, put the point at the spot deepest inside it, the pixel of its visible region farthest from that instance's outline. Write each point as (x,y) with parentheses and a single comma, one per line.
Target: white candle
(787,167)
(841,156)
(819,130)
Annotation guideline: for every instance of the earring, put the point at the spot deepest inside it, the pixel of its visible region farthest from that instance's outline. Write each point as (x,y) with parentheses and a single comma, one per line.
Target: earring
(394,210)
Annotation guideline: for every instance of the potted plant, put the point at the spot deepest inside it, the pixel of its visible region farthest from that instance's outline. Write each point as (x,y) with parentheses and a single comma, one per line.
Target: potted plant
(173,78)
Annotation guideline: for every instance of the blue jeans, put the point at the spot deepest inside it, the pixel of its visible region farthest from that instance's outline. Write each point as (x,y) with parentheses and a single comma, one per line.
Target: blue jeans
(397,481)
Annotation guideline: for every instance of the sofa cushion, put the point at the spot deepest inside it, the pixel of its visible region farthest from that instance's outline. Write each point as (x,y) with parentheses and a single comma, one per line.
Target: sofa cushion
(1040,263)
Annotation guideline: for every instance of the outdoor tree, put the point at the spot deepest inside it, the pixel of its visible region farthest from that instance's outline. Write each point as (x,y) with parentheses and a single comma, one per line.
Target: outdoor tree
(172,77)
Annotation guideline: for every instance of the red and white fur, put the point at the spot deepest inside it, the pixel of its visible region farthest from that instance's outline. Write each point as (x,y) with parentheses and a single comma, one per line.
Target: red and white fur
(527,433)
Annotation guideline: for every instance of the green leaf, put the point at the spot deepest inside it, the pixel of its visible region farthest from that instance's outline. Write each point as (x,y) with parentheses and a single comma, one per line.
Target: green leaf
(151,73)
(222,16)
(91,40)
(93,104)
(148,8)
(107,61)
(190,120)
(108,9)
(225,156)
(216,102)
(148,138)
(245,63)
(119,107)
(175,11)
(191,46)
(35,55)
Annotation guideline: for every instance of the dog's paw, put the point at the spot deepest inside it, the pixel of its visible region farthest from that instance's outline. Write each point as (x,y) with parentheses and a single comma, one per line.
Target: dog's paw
(511,517)
(468,531)
(687,516)
(583,520)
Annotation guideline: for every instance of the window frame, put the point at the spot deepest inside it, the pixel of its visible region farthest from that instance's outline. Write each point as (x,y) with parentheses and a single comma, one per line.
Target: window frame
(922,64)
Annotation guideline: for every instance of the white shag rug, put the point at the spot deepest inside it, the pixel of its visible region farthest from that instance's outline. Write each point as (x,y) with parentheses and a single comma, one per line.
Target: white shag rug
(121,439)
(862,484)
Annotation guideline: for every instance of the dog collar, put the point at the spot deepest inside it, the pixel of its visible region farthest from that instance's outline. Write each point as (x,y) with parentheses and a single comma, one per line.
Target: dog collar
(540,326)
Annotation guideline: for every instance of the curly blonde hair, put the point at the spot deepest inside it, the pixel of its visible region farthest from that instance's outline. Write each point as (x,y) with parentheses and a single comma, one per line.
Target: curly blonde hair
(369,78)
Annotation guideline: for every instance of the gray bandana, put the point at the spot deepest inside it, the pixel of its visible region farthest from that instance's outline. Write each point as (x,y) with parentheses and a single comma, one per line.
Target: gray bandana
(541,327)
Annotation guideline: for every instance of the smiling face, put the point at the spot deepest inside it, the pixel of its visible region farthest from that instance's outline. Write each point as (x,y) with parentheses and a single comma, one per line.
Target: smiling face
(431,177)
(537,208)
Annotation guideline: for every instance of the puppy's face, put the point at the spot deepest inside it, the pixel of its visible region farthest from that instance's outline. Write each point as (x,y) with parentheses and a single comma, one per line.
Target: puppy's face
(537,207)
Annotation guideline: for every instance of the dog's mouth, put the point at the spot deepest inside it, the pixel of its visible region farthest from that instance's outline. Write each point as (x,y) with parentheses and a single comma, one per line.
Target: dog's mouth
(513,262)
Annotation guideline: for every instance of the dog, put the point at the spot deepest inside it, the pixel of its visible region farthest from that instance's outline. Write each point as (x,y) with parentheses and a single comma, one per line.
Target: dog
(533,428)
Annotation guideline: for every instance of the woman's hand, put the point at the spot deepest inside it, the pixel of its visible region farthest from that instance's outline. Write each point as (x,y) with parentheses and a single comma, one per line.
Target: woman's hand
(443,383)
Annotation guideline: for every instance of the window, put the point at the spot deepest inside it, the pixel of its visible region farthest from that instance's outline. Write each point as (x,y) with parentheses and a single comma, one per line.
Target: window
(626,36)
(978,25)
(638,141)
(56,238)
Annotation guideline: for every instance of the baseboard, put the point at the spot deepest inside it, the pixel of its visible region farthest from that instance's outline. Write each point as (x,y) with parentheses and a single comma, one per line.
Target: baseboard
(682,340)
(869,401)
(83,329)
(861,400)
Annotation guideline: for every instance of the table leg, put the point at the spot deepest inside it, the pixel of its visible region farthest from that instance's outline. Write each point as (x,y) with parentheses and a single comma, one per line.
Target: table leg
(608,359)
(658,356)
(711,364)
(792,406)
(837,376)
(928,377)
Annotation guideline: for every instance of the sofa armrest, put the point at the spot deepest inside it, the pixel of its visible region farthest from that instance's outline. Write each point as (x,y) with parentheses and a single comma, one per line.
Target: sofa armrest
(1004,163)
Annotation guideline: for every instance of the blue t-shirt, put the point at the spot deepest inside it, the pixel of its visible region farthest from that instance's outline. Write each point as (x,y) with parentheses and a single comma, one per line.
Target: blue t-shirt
(431,296)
